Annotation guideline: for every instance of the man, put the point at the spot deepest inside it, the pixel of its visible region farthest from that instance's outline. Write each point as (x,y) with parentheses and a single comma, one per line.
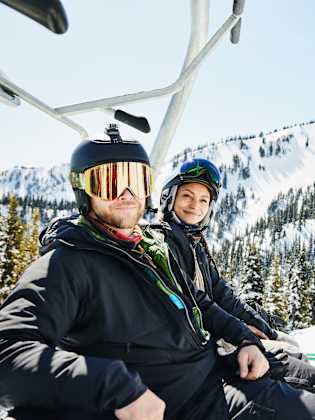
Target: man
(104,325)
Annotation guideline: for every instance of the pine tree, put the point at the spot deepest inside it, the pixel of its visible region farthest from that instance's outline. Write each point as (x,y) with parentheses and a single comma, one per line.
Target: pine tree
(312,288)
(295,284)
(29,247)
(275,299)
(301,293)
(224,180)
(252,283)
(237,262)
(262,152)
(230,261)
(2,244)
(11,259)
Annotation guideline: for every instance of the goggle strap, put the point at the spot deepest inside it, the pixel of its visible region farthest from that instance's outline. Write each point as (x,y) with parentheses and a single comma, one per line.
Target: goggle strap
(77,180)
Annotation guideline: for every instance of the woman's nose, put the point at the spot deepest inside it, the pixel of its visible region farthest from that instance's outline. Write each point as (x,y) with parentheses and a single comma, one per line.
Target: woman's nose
(193,203)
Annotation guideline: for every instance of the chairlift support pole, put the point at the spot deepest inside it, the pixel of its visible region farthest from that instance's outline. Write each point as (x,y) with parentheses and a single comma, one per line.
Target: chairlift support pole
(173,115)
(199,29)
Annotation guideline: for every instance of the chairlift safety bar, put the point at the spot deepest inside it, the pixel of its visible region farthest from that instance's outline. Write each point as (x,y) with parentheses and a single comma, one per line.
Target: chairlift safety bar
(103,104)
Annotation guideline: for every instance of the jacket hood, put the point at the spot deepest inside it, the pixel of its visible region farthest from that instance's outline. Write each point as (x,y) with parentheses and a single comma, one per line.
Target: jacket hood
(69,231)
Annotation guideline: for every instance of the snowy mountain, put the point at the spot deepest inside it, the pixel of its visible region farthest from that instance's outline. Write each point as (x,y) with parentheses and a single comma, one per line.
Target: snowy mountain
(259,174)
(47,184)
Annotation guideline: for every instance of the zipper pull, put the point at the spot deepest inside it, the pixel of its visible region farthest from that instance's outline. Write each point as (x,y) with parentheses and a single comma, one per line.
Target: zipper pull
(143,255)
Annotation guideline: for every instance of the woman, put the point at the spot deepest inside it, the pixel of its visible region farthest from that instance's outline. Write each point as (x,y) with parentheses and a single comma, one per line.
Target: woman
(187,203)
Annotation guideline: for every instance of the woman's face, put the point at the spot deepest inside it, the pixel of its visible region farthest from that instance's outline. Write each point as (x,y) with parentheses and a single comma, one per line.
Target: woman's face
(192,202)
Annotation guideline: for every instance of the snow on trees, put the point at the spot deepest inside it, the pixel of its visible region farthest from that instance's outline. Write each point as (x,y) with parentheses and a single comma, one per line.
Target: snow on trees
(275,298)
(18,246)
(252,283)
(300,296)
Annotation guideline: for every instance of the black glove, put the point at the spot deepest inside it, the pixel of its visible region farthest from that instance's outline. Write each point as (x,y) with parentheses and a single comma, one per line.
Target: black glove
(278,362)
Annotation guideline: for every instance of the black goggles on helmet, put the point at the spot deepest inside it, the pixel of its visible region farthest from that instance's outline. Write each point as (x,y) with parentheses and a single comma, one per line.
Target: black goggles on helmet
(203,171)
(109,180)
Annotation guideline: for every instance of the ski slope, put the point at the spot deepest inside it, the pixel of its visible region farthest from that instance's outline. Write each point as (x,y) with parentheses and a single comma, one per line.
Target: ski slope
(306,340)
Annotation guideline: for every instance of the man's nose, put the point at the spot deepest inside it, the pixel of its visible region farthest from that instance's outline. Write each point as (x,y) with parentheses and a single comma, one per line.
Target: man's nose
(127,194)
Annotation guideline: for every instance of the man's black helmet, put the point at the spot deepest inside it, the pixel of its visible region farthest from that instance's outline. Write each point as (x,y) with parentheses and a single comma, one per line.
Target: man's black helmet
(91,153)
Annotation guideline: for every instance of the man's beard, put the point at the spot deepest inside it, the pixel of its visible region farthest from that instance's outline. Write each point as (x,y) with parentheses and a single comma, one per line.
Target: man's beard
(121,220)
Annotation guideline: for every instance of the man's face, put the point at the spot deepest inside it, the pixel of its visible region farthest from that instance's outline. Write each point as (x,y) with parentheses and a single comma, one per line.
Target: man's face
(123,213)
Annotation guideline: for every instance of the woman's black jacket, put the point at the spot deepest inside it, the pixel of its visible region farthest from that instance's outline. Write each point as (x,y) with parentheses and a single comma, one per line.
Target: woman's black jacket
(87,329)
(216,287)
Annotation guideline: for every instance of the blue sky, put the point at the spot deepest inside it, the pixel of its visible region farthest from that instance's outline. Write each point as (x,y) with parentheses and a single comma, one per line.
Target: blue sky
(116,47)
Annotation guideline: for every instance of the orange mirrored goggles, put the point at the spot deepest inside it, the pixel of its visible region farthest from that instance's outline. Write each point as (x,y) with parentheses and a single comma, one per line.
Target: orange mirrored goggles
(109,180)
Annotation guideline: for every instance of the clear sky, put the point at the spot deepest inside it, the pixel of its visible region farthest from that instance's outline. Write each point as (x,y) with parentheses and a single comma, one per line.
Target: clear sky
(115,47)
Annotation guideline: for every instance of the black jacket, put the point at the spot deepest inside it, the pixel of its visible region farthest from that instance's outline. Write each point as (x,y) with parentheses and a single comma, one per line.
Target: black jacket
(216,287)
(87,328)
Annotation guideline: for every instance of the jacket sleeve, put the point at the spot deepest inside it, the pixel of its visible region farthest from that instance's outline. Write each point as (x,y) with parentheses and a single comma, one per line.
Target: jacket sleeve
(34,372)
(224,296)
(216,320)
(222,324)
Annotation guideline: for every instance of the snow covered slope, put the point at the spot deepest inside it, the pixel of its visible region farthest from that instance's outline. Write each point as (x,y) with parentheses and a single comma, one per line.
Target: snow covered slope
(264,166)
(47,184)
(306,339)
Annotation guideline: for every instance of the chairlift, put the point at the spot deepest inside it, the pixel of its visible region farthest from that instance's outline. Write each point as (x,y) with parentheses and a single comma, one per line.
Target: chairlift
(52,15)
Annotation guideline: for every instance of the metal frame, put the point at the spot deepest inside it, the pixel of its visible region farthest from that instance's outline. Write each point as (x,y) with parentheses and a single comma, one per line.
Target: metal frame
(49,13)
(198,50)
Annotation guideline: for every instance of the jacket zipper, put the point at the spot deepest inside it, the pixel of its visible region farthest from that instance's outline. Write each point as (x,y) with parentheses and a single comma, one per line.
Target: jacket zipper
(196,336)
(203,338)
